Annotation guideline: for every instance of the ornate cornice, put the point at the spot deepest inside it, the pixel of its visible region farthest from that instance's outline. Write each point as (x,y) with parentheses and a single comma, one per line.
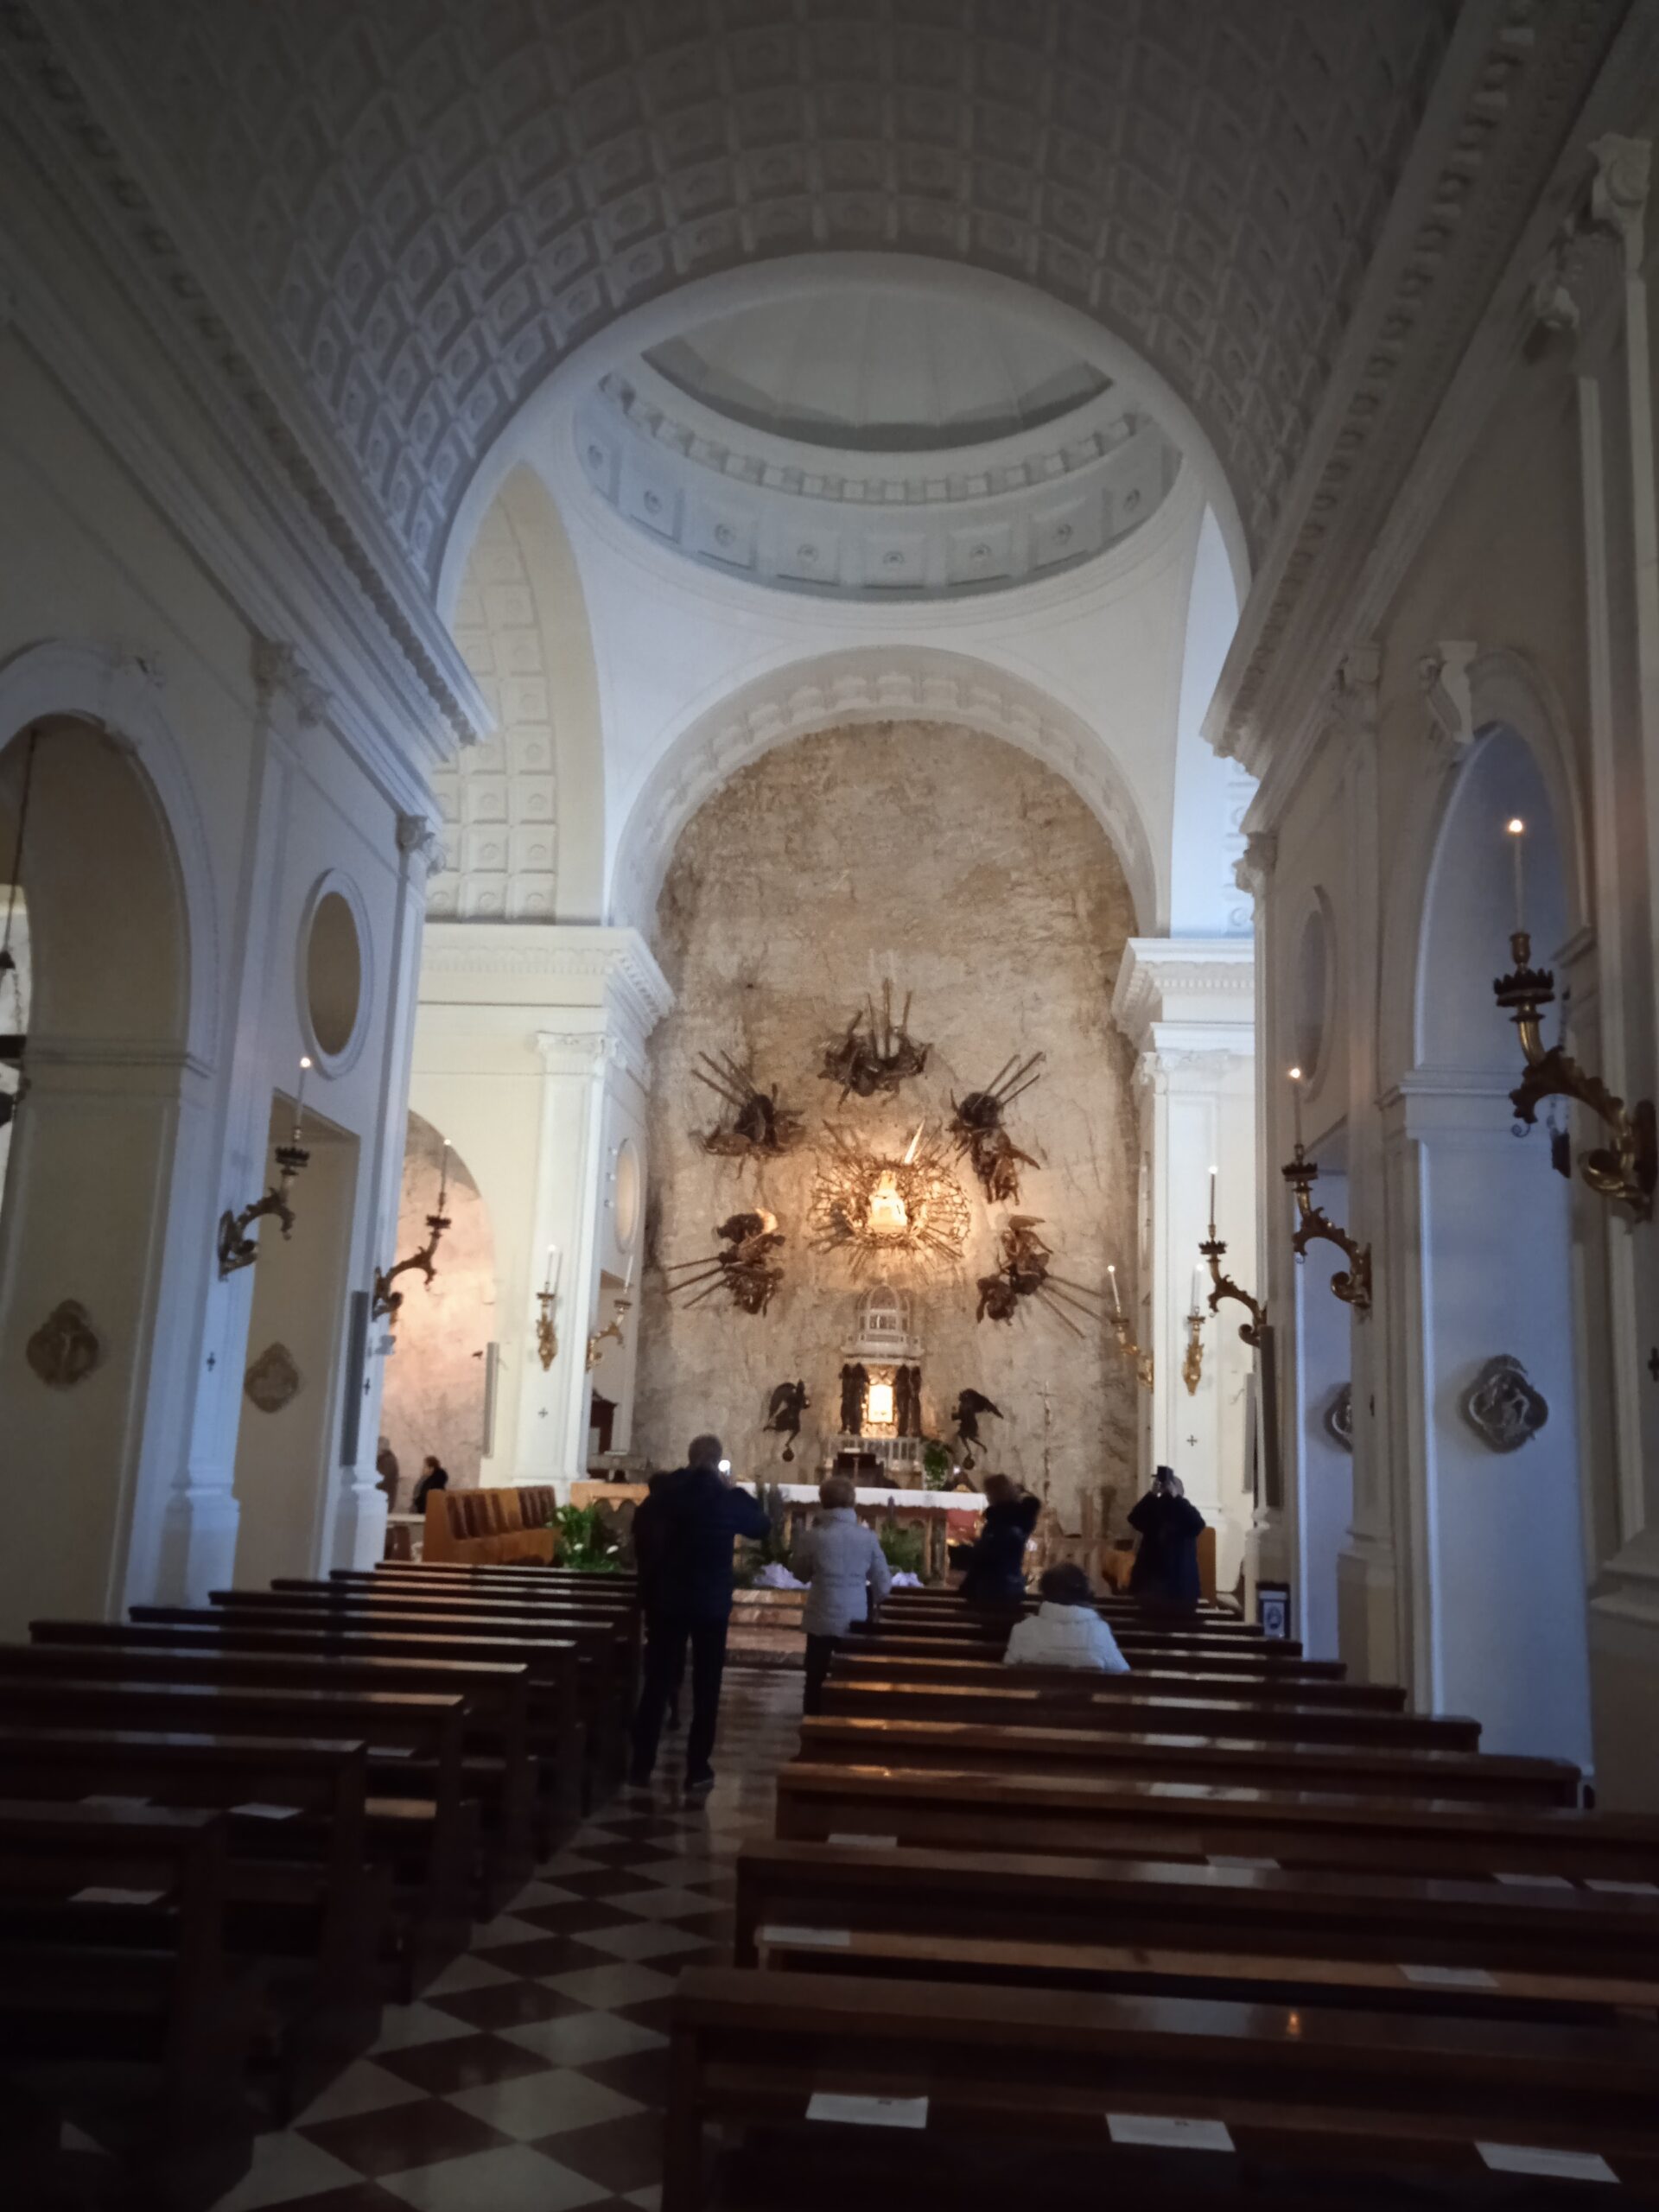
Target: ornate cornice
(1443,671)
(1186,981)
(1516,79)
(572,964)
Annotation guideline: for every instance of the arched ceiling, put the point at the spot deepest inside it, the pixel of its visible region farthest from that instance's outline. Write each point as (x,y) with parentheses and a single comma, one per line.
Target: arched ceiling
(423,206)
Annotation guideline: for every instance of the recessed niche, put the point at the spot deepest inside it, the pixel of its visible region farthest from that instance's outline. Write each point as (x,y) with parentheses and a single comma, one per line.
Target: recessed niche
(333,975)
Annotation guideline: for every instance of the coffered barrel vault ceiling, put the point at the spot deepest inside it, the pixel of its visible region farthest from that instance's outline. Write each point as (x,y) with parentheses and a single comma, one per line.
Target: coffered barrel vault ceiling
(423,206)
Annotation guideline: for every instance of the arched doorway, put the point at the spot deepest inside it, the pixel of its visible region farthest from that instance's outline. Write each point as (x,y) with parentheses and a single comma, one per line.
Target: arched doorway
(1496,1542)
(90,1180)
(439,1388)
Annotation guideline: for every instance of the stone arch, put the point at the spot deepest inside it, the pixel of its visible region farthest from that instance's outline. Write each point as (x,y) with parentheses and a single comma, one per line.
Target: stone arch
(122,1024)
(1506,691)
(864,685)
(522,812)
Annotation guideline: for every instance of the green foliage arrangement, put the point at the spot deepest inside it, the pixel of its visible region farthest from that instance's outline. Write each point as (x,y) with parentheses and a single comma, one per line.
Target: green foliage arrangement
(586,1545)
(935,1464)
(902,1547)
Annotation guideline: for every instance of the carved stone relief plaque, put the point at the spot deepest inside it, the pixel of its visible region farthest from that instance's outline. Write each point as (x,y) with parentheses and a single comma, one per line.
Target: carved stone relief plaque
(1503,1407)
(65,1348)
(273,1379)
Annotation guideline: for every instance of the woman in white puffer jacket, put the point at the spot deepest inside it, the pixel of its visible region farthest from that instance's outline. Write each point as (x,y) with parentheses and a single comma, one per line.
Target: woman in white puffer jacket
(1065,1630)
(848,1573)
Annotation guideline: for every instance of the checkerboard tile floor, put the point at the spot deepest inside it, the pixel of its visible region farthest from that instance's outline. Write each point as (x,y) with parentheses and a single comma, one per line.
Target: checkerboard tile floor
(531,2077)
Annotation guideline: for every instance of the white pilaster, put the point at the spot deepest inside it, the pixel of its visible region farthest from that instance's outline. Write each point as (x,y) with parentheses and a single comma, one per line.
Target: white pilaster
(1187,1004)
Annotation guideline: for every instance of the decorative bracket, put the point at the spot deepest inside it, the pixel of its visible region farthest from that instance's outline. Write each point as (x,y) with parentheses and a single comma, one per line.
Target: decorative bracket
(547,1337)
(1625,1171)
(1353,1285)
(1252,1331)
(236,1248)
(1139,1360)
(1443,672)
(387,1301)
(1193,1360)
(612,1329)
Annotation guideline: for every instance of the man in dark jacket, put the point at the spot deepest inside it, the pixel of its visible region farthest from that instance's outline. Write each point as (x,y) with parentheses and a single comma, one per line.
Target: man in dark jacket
(684,1561)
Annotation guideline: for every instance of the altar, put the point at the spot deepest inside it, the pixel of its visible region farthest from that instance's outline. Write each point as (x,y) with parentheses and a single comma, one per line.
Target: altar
(944,1516)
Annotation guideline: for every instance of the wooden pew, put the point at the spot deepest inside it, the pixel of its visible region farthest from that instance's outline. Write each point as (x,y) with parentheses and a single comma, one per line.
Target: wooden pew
(300,1890)
(624,1618)
(1260,1662)
(1133,1704)
(1191,1907)
(992,1624)
(1371,2091)
(558,1731)
(432,1845)
(856,1664)
(137,1989)
(1235,1760)
(1086,1816)
(601,1659)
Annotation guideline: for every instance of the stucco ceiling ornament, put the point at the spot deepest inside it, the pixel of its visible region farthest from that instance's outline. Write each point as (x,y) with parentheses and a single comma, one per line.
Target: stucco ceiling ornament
(746,1271)
(756,1127)
(65,1348)
(875,1057)
(1502,1406)
(273,1381)
(1023,1272)
(875,1207)
(977,1125)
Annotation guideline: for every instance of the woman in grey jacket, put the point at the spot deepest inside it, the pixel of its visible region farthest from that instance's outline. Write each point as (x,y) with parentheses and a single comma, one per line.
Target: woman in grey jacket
(848,1569)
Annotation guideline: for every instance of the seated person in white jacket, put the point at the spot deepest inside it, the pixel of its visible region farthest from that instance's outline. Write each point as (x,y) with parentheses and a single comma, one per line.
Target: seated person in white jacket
(849,1576)
(1065,1630)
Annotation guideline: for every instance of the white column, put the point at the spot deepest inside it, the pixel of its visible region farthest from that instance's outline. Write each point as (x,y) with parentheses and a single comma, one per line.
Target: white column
(1188,1005)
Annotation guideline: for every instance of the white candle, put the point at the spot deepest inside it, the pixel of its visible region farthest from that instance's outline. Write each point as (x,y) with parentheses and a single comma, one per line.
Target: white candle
(627,1279)
(443,1175)
(552,1256)
(1118,1303)
(1517,833)
(1198,1285)
(1296,1104)
(1212,1202)
(299,1097)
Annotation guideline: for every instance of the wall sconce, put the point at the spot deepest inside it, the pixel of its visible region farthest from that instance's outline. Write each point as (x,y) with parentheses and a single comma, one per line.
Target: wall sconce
(1119,1322)
(1192,1364)
(1625,1171)
(1252,1331)
(1353,1285)
(236,1248)
(547,1297)
(613,1328)
(388,1301)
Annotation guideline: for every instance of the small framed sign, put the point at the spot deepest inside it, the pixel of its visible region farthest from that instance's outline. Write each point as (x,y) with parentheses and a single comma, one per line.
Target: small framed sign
(1272,1608)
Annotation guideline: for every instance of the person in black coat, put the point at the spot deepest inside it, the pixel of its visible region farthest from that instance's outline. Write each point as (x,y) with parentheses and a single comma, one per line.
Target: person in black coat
(433,1476)
(684,1560)
(1166,1564)
(997,1560)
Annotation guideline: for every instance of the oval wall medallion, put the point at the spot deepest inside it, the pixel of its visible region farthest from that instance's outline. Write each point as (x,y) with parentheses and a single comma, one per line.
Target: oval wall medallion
(273,1379)
(1503,1407)
(65,1348)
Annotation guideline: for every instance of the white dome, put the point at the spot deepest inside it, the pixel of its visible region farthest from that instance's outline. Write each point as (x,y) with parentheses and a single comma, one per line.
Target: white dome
(878,370)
